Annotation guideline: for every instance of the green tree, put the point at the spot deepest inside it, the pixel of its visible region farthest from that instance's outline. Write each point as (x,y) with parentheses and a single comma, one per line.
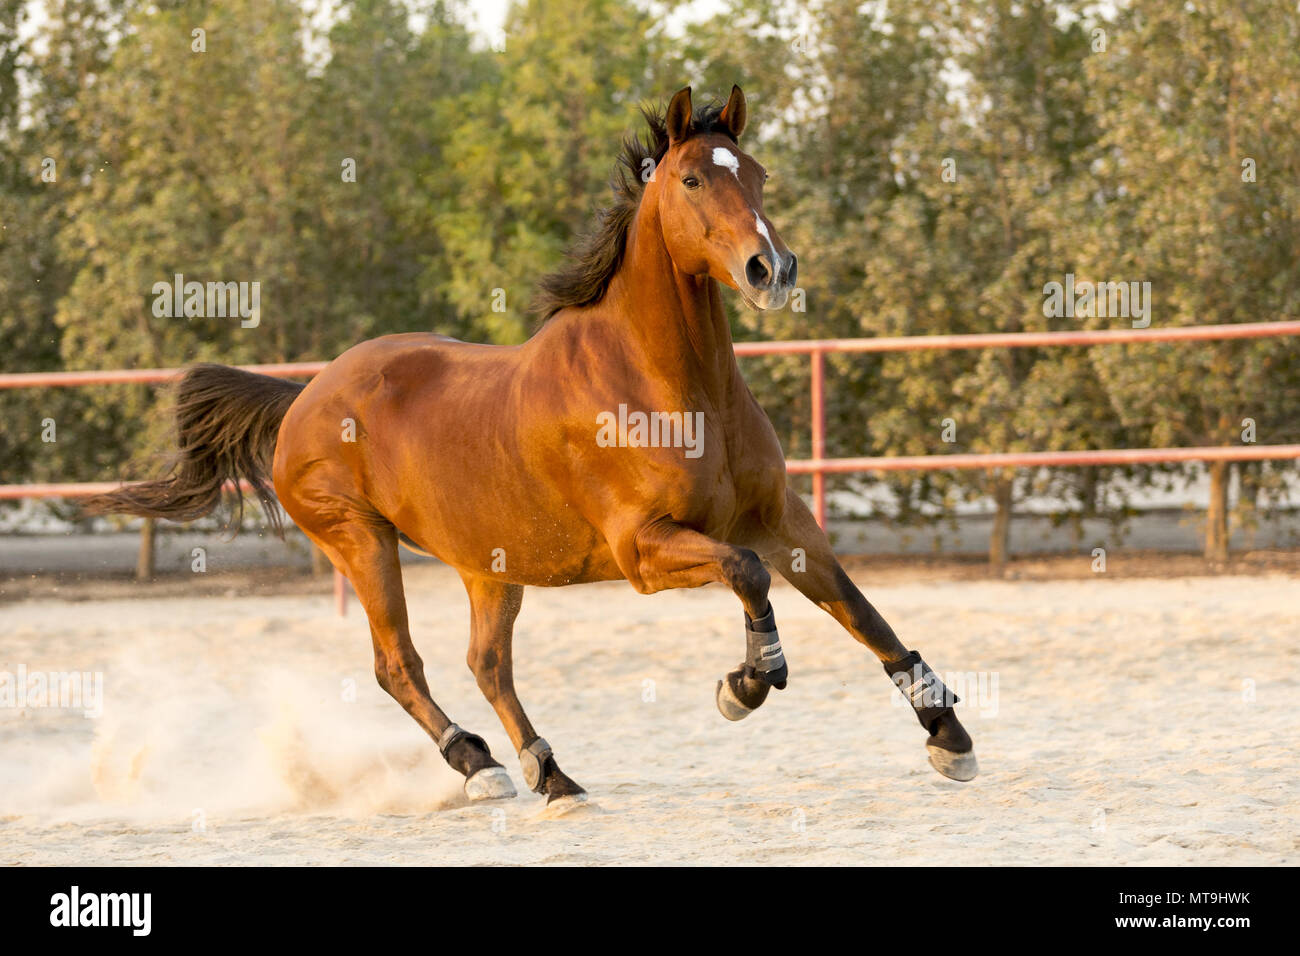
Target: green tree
(46,159)
(533,150)
(968,247)
(240,171)
(1200,177)
(387,101)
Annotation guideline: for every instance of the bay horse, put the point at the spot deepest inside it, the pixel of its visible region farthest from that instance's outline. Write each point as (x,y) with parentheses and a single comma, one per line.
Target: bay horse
(522,465)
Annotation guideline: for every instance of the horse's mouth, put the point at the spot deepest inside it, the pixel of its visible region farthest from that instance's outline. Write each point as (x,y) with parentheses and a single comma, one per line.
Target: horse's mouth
(765,302)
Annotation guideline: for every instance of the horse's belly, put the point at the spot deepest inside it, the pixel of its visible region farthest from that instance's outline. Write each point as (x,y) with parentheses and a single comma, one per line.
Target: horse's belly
(507,536)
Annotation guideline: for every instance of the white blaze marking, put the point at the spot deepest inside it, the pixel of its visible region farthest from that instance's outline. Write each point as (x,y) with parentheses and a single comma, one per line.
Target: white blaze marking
(727,160)
(762,231)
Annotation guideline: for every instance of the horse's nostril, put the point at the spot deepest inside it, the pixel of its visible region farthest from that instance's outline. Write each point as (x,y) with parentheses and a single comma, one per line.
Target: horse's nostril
(792,273)
(758,270)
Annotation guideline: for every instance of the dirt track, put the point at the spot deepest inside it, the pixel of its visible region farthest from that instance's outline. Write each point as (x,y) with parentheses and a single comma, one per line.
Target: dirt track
(1117,719)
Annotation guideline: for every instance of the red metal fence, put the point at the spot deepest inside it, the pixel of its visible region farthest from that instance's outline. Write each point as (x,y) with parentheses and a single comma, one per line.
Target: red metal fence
(818,466)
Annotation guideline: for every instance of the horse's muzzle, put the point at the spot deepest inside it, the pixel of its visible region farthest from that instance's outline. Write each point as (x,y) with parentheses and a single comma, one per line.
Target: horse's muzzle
(766,284)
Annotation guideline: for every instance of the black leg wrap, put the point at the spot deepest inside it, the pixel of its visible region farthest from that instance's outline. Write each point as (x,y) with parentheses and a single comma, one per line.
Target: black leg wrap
(764,658)
(928,695)
(534,760)
(465,752)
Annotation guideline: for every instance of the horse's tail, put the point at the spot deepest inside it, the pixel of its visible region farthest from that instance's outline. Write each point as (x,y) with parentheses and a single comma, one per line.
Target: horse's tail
(226,421)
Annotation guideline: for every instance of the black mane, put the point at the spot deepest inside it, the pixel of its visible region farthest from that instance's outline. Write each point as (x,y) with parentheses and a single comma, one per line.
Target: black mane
(596,256)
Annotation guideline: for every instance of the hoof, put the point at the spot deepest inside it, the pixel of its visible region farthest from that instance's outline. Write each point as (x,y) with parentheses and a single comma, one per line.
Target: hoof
(490,783)
(729,705)
(955,766)
(560,806)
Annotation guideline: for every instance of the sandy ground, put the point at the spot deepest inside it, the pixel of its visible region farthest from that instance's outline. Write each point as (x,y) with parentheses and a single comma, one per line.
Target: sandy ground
(1117,720)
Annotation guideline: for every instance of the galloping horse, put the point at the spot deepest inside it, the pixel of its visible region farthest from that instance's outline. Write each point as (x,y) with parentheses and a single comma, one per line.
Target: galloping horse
(523,465)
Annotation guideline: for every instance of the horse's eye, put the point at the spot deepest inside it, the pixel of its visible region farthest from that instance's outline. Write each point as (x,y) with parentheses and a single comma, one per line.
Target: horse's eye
(766,177)
(690,182)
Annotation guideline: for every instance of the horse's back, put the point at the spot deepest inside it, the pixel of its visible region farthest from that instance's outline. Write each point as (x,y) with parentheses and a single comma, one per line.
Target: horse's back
(425,431)
(406,370)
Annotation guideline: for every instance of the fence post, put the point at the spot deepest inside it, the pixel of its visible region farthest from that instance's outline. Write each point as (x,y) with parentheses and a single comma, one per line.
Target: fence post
(819,434)
(145,562)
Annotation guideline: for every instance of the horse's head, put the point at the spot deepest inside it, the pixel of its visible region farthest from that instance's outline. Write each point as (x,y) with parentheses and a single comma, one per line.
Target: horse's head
(710,198)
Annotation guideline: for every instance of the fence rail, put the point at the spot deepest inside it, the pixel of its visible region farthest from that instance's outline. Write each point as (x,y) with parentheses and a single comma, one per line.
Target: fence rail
(819,466)
(905,343)
(988,340)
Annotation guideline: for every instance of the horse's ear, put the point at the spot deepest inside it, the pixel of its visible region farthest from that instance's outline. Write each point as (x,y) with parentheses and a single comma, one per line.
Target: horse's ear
(678,120)
(735,113)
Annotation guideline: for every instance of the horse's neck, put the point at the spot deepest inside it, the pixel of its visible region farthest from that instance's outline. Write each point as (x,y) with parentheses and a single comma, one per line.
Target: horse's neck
(673,319)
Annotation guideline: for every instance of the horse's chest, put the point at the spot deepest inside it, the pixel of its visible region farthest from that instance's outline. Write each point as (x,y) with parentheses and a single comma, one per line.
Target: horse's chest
(702,461)
(725,482)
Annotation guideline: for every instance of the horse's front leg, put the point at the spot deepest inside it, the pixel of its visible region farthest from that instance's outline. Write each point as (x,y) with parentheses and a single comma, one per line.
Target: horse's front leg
(666,554)
(816,572)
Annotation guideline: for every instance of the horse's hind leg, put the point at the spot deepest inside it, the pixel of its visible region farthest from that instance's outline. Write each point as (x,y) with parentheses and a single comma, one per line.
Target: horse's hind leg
(494,605)
(817,573)
(364,548)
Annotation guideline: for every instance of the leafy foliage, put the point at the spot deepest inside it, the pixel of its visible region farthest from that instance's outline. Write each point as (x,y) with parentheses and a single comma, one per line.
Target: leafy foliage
(933,165)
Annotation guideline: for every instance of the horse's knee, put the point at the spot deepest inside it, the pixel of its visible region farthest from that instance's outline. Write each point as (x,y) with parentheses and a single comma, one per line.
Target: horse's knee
(394,673)
(747,576)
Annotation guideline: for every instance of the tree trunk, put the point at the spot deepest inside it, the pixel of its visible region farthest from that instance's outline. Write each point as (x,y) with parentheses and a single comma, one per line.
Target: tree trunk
(1216,514)
(144,564)
(1248,490)
(999,540)
(1248,476)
